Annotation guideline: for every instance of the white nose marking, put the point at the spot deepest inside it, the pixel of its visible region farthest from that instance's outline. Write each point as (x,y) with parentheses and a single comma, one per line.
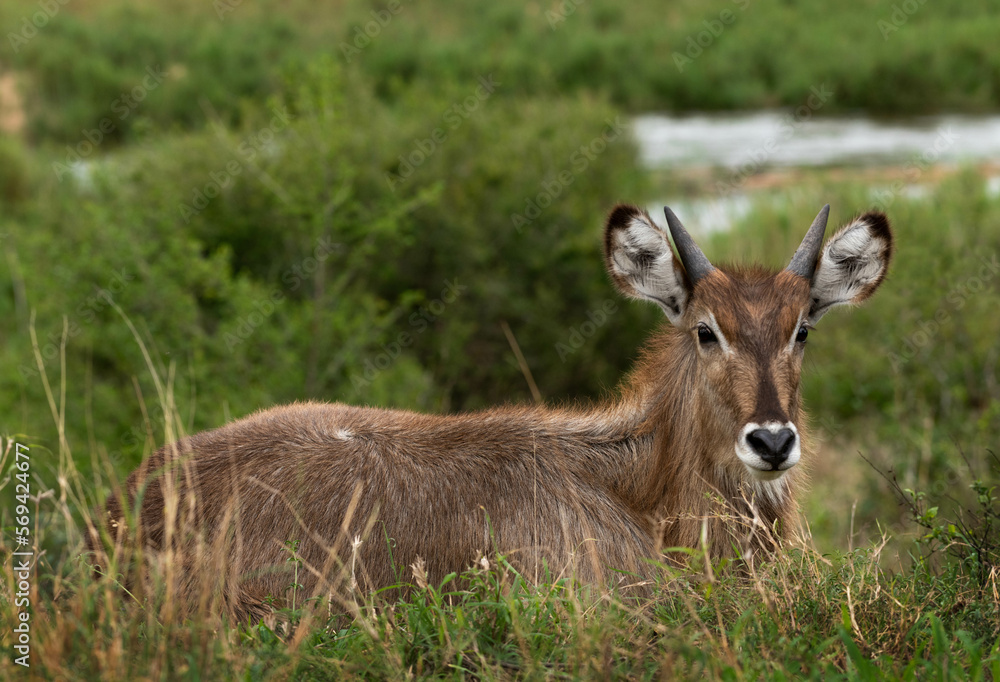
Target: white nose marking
(758,465)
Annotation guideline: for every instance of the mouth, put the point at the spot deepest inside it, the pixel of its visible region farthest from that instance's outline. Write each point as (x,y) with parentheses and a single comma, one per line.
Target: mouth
(765,474)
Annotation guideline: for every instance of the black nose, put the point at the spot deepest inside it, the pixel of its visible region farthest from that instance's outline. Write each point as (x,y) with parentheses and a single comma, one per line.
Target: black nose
(773,448)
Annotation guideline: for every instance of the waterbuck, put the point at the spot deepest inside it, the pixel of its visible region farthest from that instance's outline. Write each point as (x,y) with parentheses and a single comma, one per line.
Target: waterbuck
(712,412)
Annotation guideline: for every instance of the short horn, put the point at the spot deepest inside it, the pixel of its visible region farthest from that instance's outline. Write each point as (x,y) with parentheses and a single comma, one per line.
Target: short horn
(693,260)
(804,261)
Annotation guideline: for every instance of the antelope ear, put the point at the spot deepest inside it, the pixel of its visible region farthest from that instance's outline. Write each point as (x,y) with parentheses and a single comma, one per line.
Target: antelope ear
(641,263)
(852,265)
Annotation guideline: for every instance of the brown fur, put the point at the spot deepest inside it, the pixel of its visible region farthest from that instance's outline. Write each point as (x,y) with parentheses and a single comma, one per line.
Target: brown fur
(612,484)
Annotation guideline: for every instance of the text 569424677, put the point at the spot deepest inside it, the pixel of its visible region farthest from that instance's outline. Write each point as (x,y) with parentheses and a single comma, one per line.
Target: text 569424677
(23,556)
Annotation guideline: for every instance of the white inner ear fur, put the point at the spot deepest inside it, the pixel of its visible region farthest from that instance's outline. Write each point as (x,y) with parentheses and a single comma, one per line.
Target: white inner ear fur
(642,256)
(853,260)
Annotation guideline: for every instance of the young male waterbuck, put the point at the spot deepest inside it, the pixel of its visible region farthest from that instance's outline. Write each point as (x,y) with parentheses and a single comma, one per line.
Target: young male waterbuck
(712,412)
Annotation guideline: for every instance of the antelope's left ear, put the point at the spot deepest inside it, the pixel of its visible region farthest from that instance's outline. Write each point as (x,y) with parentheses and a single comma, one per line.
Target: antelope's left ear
(852,265)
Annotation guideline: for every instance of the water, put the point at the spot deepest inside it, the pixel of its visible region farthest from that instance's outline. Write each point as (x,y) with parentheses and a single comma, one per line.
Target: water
(771,138)
(747,143)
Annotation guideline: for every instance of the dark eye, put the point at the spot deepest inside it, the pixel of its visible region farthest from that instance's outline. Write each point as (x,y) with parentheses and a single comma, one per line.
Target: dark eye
(705,335)
(801,336)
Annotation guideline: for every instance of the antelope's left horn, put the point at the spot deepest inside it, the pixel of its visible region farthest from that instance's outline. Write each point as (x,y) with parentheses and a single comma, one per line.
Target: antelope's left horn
(692,258)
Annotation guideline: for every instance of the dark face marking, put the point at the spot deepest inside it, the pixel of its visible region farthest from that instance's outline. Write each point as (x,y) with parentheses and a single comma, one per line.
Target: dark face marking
(769,407)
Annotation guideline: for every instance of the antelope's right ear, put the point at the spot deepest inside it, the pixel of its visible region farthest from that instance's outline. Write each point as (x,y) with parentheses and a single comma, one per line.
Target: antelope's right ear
(641,263)
(852,264)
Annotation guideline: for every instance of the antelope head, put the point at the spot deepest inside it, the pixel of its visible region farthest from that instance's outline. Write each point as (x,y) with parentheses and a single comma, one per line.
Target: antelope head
(740,331)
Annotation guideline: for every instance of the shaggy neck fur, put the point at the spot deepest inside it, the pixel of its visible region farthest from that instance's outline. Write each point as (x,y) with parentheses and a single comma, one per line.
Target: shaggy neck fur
(686,476)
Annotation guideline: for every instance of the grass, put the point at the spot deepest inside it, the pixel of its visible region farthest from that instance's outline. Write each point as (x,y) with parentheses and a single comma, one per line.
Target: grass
(799,614)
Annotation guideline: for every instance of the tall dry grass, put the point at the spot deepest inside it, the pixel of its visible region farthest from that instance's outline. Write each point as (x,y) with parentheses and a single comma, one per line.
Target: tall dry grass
(793,613)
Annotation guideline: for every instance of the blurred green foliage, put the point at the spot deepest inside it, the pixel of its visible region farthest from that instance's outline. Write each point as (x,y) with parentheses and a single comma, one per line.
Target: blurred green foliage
(81,70)
(893,58)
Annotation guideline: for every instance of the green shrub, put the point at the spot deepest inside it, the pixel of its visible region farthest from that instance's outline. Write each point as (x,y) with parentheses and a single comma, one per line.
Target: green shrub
(133,67)
(290,258)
